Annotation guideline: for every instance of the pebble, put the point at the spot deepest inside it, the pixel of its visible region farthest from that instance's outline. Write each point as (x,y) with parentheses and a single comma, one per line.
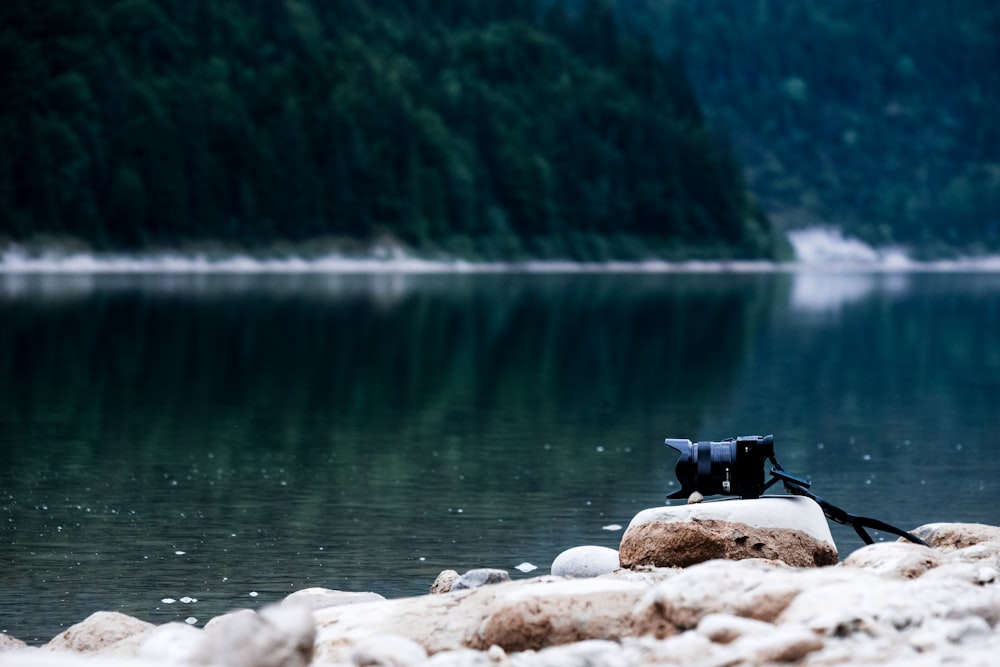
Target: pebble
(585,561)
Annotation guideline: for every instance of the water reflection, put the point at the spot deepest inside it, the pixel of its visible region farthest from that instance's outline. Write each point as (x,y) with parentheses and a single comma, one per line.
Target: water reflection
(815,292)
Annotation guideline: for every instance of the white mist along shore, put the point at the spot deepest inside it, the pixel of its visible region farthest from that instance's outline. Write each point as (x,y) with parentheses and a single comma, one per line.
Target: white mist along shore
(819,248)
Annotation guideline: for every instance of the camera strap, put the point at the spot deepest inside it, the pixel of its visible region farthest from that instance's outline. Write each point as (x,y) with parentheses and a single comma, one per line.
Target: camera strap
(799,487)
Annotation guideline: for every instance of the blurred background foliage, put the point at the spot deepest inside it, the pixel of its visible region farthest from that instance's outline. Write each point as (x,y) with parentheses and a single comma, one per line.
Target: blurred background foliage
(879,117)
(481,128)
(493,129)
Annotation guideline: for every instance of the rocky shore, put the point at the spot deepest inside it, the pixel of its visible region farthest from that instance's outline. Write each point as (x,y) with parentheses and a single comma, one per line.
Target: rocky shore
(891,603)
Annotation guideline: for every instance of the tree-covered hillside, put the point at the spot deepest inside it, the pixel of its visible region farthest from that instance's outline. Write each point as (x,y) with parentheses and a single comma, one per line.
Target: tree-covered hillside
(481,128)
(882,117)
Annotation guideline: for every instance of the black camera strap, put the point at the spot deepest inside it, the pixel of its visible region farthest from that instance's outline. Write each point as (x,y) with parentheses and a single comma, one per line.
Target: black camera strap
(800,487)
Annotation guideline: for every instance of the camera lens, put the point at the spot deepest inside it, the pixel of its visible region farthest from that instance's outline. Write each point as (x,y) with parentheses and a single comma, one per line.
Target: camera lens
(732,467)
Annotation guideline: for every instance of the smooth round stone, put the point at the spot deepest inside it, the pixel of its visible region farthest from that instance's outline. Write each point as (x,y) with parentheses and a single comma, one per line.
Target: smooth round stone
(482,576)
(585,561)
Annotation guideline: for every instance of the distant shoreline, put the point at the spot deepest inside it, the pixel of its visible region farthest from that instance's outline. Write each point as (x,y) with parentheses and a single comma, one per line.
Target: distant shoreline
(13,263)
(823,250)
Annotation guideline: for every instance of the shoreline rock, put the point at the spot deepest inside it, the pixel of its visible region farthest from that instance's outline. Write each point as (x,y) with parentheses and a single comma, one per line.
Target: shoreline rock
(585,561)
(791,529)
(887,604)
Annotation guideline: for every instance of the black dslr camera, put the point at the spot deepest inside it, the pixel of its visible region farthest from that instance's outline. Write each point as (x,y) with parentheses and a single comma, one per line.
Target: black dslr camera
(732,467)
(735,467)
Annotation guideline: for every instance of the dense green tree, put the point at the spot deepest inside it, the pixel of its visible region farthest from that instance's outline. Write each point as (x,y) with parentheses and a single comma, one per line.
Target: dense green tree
(483,127)
(877,116)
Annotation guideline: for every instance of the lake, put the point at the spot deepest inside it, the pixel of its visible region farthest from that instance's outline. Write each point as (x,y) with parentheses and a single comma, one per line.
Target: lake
(175,446)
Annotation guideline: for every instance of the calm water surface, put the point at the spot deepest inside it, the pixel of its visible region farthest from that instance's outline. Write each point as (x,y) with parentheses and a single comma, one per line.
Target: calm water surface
(222,441)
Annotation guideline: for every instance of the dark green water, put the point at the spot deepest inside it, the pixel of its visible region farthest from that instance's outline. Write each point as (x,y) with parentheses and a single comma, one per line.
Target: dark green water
(218,436)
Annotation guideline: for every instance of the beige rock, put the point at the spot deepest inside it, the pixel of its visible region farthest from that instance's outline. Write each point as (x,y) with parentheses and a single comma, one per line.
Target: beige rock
(947,631)
(585,561)
(219,623)
(276,636)
(318,598)
(905,560)
(875,605)
(97,632)
(690,649)
(171,643)
(595,652)
(444,582)
(755,589)
(790,529)
(518,615)
(8,643)
(560,613)
(387,651)
(463,657)
(956,535)
(480,576)
(44,658)
(784,644)
(982,551)
(726,628)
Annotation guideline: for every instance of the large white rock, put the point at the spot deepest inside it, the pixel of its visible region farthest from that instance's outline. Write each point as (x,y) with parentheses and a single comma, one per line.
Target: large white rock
(171,643)
(956,535)
(895,559)
(791,529)
(276,636)
(518,615)
(480,576)
(585,561)
(877,606)
(387,651)
(8,643)
(97,632)
(43,658)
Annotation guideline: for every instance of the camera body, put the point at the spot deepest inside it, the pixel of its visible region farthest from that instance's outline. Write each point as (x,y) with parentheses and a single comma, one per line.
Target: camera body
(732,467)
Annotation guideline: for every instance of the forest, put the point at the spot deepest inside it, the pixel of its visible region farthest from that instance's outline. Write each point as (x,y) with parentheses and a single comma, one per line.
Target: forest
(474,128)
(882,118)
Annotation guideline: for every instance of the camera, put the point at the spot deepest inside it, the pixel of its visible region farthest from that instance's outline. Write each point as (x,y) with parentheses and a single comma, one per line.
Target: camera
(731,467)
(735,467)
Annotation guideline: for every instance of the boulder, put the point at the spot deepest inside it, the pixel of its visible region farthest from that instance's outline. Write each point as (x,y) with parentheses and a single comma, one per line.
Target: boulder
(388,651)
(97,632)
(726,628)
(516,615)
(786,644)
(973,573)
(276,636)
(790,529)
(562,612)
(982,551)
(754,589)
(483,576)
(444,582)
(8,643)
(905,560)
(874,606)
(317,598)
(956,535)
(44,658)
(232,617)
(170,643)
(586,561)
